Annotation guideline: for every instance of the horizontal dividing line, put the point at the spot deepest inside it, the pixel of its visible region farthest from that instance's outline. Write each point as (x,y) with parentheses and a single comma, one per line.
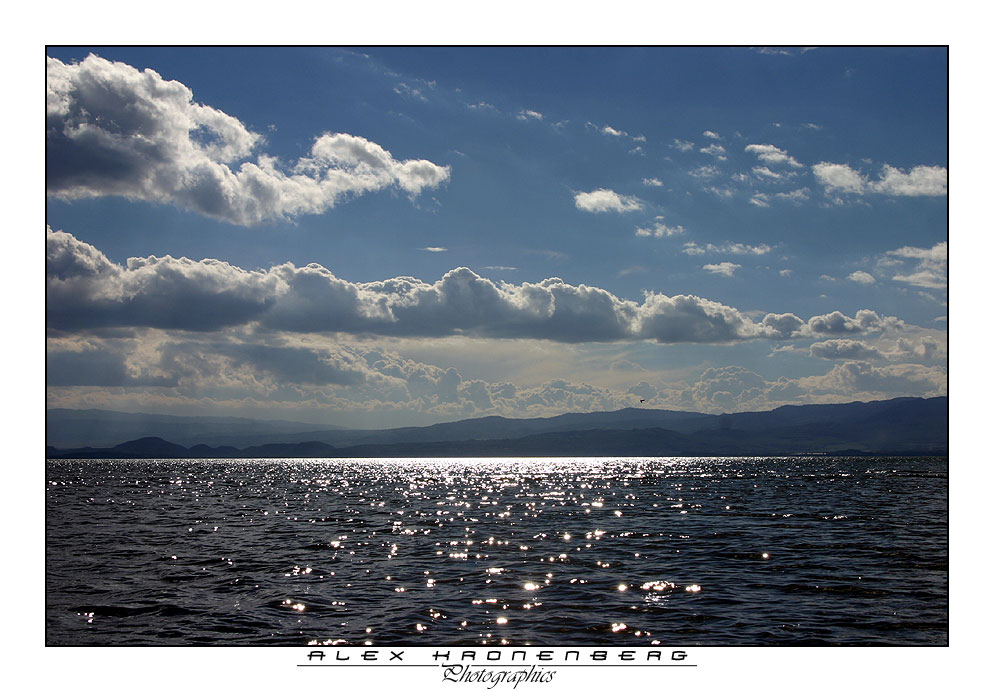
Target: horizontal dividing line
(583,665)
(367,665)
(497,665)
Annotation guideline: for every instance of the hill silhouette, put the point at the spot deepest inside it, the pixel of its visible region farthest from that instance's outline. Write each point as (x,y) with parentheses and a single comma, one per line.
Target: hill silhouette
(908,426)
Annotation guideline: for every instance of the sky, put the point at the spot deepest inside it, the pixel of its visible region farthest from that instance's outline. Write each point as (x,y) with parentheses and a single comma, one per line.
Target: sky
(374,237)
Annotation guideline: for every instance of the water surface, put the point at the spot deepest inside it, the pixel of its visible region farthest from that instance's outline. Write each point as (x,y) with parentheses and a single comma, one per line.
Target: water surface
(622,552)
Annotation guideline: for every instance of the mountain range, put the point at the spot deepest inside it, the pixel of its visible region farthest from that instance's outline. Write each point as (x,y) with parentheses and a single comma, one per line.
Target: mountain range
(903,426)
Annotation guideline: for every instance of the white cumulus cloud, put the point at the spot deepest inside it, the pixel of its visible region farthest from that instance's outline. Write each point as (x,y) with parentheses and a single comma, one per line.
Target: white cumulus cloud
(838,177)
(772,155)
(112,130)
(723,268)
(603,200)
(920,181)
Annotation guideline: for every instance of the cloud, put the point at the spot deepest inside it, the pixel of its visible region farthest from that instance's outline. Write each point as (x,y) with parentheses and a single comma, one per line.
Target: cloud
(727,388)
(434,249)
(272,373)
(602,200)
(763,199)
(711,135)
(635,269)
(782,326)
(528,114)
(482,105)
(862,277)
(87,291)
(838,323)
(615,132)
(692,248)
(920,181)
(715,150)
(919,346)
(722,192)
(643,390)
(839,178)
(905,379)
(765,172)
(931,268)
(771,50)
(937,253)
(659,230)
(704,172)
(690,319)
(682,145)
(112,130)
(723,268)
(774,156)
(652,182)
(248,372)
(283,363)
(844,349)
(930,181)
(94,365)
(735,388)
(797,196)
(403,89)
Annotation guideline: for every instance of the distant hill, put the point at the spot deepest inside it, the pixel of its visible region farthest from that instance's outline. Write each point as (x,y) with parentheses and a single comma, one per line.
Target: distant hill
(99,428)
(95,428)
(895,426)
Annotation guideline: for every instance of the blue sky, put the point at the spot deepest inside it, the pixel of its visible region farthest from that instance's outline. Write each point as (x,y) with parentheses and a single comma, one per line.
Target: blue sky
(386,236)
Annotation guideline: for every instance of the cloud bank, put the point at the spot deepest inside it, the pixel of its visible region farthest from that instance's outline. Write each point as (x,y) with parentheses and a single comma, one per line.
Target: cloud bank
(88,291)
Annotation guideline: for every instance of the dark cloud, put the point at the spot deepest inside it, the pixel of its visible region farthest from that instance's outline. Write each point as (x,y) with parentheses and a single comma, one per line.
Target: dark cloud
(98,368)
(838,323)
(87,291)
(298,365)
(782,326)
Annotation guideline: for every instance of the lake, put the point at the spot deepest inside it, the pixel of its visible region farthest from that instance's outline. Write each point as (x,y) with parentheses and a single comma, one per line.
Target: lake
(467,552)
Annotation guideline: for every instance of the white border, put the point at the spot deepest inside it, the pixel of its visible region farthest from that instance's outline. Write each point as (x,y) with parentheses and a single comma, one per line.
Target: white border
(514,22)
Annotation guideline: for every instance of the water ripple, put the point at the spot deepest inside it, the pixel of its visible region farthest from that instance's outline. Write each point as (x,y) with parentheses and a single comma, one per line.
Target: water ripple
(732,551)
